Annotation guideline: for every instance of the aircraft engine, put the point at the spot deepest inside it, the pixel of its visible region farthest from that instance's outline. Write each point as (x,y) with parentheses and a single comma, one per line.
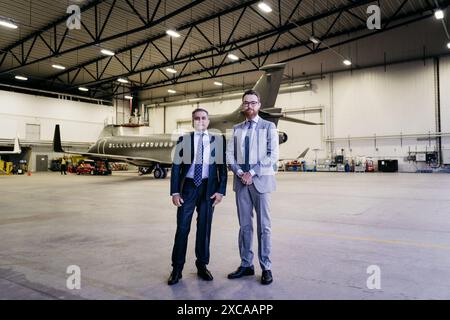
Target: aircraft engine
(282,137)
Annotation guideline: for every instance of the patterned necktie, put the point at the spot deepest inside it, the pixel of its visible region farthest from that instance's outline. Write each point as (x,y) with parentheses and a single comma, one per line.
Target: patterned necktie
(246,167)
(199,162)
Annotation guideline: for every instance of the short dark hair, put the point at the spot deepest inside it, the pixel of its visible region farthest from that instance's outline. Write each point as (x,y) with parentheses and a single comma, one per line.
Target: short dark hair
(253,92)
(198,110)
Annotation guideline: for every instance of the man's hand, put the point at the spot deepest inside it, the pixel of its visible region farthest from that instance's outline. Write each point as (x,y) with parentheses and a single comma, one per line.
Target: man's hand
(177,200)
(247,178)
(218,198)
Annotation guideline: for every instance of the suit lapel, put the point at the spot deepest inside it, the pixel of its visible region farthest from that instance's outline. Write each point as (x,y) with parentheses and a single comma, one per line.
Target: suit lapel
(192,147)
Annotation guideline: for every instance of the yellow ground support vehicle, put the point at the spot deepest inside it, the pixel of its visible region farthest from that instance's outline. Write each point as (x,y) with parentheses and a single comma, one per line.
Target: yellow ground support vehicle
(6,167)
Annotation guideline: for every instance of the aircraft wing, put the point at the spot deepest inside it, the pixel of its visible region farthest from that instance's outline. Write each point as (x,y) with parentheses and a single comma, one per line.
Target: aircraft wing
(17,149)
(290,119)
(301,155)
(275,114)
(57,147)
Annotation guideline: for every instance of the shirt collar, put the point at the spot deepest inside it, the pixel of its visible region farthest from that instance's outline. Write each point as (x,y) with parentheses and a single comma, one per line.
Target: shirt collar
(255,119)
(200,132)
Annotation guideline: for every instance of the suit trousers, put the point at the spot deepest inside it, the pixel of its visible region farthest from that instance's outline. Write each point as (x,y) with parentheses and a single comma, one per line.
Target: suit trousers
(194,198)
(247,198)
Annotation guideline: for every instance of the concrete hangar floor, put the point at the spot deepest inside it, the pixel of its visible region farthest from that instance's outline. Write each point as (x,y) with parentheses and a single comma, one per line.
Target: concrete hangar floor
(335,236)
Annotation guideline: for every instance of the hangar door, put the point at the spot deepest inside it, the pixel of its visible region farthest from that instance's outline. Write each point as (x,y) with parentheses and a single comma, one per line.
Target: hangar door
(41,163)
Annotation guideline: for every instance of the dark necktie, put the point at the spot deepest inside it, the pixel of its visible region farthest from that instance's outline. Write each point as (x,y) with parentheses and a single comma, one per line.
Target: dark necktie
(199,162)
(246,167)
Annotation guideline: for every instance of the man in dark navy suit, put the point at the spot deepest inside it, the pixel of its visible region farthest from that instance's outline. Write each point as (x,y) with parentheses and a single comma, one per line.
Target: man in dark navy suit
(198,181)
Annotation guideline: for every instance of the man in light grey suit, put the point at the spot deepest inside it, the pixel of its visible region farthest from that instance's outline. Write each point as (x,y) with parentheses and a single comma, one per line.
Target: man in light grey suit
(252,155)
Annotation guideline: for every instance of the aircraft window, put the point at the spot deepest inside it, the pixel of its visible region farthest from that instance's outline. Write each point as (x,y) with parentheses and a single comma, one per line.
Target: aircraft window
(166,144)
(134,145)
(110,145)
(147,144)
(171,144)
(142,144)
(156,144)
(128,145)
(151,144)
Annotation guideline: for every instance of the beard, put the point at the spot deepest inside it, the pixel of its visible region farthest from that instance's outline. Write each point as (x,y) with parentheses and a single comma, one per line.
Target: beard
(250,113)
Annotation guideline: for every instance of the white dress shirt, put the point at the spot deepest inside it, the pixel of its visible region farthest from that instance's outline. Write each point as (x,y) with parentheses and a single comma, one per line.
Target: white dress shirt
(244,133)
(206,153)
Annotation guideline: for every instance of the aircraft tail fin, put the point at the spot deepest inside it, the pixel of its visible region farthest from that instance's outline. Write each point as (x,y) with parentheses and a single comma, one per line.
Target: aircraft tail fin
(267,87)
(57,147)
(303,154)
(17,148)
(269,84)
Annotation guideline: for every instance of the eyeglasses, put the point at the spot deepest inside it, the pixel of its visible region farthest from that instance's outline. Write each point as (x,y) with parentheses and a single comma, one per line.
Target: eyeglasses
(200,118)
(249,103)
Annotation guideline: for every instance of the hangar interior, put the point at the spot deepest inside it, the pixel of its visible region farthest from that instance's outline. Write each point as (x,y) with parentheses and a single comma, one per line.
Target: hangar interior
(371,94)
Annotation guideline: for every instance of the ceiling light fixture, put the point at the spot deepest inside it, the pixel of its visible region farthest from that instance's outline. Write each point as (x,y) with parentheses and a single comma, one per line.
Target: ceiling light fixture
(264,7)
(217,83)
(314,40)
(107,52)
(171,91)
(439,14)
(128,97)
(22,78)
(233,57)
(448,45)
(347,62)
(170,70)
(83,89)
(173,33)
(58,66)
(8,24)
(122,80)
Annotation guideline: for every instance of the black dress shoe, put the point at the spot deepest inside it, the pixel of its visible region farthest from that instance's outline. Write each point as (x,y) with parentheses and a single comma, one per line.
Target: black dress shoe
(242,271)
(205,274)
(266,277)
(175,276)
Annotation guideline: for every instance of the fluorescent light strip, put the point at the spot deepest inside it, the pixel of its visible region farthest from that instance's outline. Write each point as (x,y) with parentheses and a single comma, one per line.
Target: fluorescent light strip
(264,7)
(314,40)
(83,89)
(122,80)
(448,45)
(58,66)
(217,83)
(171,91)
(347,62)
(107,52)
(233,57)
(8,24)
(21,78)
(128,97)
(173,33)
(170,70)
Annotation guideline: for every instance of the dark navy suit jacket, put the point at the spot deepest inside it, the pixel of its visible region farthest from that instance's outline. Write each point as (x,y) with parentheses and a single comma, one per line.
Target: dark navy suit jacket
(217,176)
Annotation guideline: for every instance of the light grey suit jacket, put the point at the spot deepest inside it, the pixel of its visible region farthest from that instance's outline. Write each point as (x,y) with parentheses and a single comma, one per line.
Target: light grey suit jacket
(263,155)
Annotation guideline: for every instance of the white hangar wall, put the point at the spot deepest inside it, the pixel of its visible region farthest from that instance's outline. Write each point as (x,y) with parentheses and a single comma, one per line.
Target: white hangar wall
(80,122)
(397,100)
(444,78)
